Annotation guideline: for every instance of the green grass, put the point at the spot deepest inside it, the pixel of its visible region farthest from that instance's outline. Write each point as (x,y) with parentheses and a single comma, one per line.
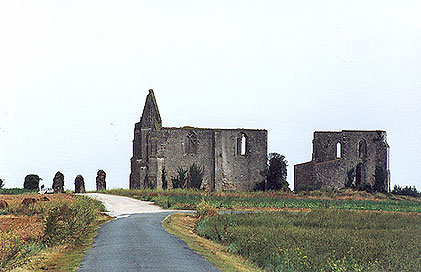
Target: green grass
(16,191)
(321,240)
(188,199)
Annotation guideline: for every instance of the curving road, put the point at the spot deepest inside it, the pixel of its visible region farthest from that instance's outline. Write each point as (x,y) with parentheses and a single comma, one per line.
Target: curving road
(136,241)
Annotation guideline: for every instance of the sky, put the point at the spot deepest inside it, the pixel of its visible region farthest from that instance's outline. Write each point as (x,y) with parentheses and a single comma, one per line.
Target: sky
(74,76)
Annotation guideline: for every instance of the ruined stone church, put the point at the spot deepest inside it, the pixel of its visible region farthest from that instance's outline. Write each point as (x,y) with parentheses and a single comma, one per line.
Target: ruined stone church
(232,158)
(345,158)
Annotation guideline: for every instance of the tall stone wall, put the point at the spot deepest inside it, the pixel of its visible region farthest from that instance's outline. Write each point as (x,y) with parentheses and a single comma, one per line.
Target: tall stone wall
(234,171)
(359,154)
(233,159)
(173,154)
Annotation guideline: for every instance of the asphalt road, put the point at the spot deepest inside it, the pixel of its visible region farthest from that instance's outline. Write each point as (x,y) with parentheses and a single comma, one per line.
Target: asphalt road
(137,242)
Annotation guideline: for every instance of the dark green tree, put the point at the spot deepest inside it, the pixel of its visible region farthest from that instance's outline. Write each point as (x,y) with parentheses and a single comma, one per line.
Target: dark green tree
(275,173)
(1,183)
(31,182)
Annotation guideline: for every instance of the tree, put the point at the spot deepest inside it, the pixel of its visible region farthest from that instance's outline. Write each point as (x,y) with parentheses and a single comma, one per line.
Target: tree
(31,182)
(275,173)
(1,183)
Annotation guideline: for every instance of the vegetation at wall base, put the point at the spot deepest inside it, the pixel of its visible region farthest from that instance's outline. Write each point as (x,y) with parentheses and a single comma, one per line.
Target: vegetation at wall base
(407,191)
(320,240)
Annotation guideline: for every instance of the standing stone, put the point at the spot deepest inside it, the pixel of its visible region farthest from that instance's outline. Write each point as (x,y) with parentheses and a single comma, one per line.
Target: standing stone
(100,180)
(79,184)
(58,182)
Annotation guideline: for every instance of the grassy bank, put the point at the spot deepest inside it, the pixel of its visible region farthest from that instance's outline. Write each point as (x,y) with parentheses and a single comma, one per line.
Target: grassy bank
(49,234)
(320,240)
(182,225)
(188,199)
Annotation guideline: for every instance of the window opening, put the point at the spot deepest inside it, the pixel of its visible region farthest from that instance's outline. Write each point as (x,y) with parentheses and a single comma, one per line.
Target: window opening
(242,144)
(338,150)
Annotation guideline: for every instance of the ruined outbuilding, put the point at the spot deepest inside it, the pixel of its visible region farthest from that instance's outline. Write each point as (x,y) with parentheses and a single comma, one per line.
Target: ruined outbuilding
(232,158)
(348,158)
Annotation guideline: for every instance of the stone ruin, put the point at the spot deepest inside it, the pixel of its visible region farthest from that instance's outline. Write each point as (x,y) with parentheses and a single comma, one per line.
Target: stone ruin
(233,159)
(100,180)
(58,182)
(79,184)
(347,158)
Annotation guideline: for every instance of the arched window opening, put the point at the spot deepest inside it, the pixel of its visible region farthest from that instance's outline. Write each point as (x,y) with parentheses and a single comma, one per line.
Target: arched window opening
(338,150)
(242,144)
(362,149)
(191,143)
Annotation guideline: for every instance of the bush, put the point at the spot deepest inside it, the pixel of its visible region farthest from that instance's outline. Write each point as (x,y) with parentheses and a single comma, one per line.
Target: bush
(204,209)
(407,191)
(180,180)
(31,182)
(195,176)
(70,222)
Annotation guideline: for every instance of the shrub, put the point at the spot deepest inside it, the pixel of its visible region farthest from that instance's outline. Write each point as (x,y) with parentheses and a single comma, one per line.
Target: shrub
(70,222)
(195,176)
(180,180)
(204,209)
(407,191)
(31,182)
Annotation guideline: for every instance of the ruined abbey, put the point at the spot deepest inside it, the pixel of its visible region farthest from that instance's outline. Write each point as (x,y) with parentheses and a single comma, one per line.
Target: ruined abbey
(232,158)
(345,158)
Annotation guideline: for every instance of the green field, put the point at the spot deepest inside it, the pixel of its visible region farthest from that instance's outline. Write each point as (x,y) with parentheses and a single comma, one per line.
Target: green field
(321,240)
(188,199)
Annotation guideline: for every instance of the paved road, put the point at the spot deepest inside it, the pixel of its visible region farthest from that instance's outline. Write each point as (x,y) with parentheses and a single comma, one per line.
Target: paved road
(136,241)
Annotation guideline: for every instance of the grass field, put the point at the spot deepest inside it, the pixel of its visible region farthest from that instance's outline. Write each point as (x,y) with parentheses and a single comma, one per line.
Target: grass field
(42,235)
(321,240)
(188,199)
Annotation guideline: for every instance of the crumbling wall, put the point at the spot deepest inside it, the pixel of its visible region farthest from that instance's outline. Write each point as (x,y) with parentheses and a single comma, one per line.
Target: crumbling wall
(363,150)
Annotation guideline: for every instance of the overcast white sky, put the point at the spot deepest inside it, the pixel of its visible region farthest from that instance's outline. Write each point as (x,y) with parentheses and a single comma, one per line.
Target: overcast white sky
(74,76)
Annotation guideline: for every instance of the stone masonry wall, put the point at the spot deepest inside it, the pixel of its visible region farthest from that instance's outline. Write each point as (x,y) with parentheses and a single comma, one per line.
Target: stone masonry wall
(364,150)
